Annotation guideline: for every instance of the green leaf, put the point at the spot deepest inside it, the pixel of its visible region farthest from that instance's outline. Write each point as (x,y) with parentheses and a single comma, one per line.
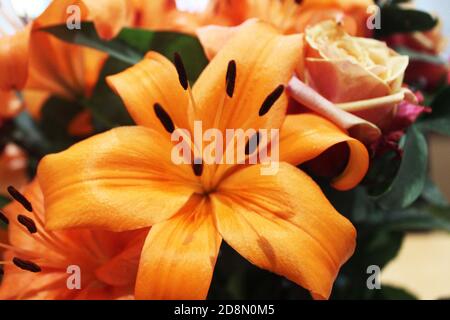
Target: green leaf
(441,213)
(127,49)
(439,119)
(421,56)
(167,43)
(87,36)
(56,116)
(47,135)
(383,246)
(433,195)
(107,108)
(4,201)
(131,45)
(382,172)
(397,19)
(375,246)
(28,135)
(427,218)
(409,182)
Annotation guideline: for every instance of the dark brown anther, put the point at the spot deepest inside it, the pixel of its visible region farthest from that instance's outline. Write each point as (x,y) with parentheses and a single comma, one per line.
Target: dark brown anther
(182,75)
(16,195)
(1,271)
(252,144)
(27,223)
(298,1)
(26,265)
(197,166)
(231,78)
(164,117)
(4,218)
(270,100)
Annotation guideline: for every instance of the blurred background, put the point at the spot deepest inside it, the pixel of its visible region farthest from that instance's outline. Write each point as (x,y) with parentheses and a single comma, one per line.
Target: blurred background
(423,263)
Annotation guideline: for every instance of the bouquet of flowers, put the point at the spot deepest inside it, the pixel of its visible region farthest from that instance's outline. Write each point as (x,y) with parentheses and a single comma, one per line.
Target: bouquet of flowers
(250,149)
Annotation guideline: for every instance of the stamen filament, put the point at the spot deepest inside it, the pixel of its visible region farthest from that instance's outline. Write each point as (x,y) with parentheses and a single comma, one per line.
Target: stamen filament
(51,235)
(39,238)
(170,127)
(230,82)
(183,78)
(18,250)
(192,100)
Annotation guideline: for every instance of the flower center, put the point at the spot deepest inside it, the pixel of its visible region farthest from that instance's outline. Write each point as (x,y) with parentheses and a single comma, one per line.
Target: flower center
(242,144)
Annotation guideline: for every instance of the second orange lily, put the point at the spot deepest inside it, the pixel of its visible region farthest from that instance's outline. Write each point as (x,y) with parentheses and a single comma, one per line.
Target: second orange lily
(42,65)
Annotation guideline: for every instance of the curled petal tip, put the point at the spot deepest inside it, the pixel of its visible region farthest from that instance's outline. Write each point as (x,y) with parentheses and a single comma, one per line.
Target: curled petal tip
(358,128)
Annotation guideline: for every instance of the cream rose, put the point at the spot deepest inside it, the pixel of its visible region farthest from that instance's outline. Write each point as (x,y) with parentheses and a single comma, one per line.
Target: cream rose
(359,75)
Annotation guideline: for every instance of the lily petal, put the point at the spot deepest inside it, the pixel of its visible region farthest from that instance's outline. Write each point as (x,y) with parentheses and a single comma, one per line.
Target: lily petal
(59,67)
(119,180)
(121,270)
(152,14)
(55,60)
(213,37)
(32,286)
(34,100)
(57,13)
(265,59)
(109,16)
(284,224)
(73,69)
(153,80)
(179,255)
(306,136)
(14,57)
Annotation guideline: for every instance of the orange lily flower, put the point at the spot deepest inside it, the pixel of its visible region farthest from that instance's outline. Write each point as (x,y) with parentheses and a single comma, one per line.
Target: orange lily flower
(124,179)
(289,16)
(38,262)
(166,15)
(30,53)
(44,65)
(152,14)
